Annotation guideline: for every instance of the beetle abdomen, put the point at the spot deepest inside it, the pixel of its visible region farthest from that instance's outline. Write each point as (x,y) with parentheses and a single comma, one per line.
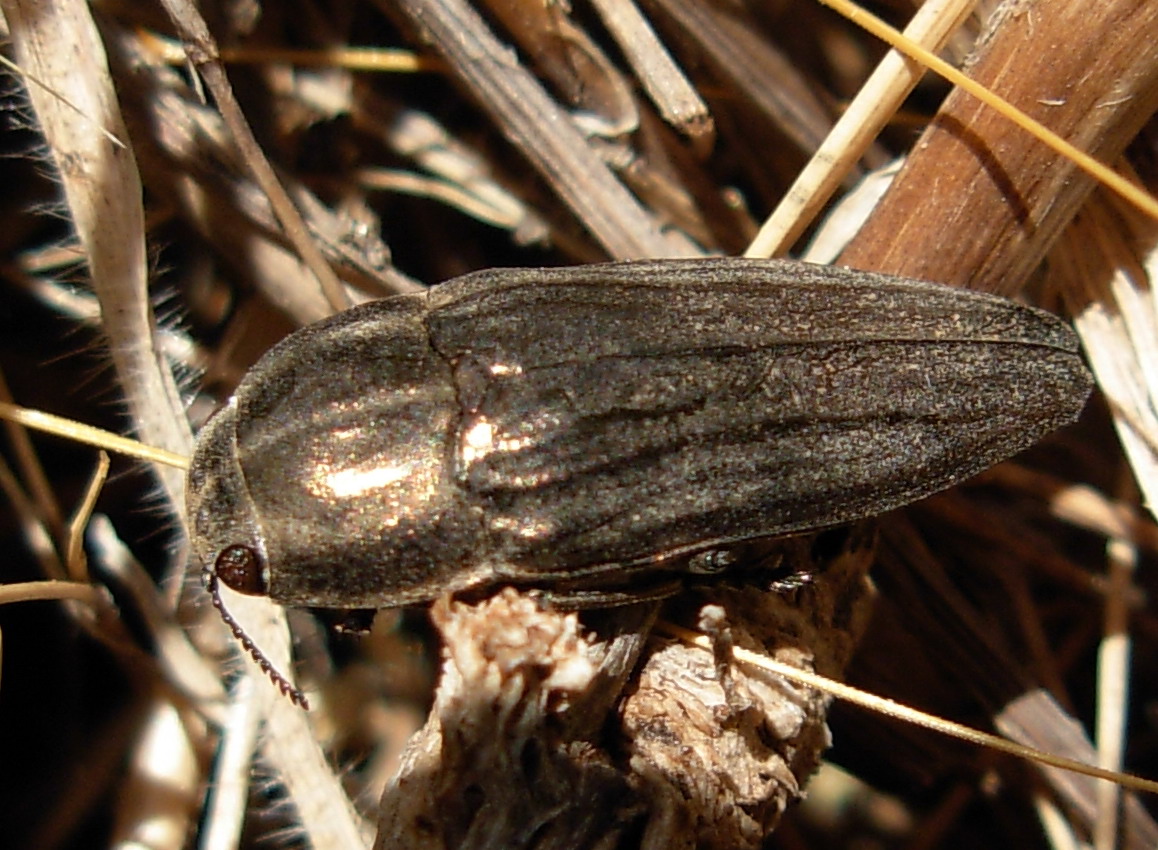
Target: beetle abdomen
(619,415)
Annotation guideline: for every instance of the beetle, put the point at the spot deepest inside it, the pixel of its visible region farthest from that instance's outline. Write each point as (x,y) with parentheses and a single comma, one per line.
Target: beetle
(602,431)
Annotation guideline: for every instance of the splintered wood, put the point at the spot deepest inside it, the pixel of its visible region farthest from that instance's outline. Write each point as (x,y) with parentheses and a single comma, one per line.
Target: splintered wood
(544,734)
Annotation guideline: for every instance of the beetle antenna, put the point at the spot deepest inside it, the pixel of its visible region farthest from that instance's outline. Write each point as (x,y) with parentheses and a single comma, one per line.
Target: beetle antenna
(296,696)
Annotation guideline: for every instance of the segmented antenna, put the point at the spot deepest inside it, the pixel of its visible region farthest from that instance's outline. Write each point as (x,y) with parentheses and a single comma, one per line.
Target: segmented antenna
(286,687)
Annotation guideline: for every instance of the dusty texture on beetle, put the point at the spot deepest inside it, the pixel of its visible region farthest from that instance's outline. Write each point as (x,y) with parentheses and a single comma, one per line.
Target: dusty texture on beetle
(558,730)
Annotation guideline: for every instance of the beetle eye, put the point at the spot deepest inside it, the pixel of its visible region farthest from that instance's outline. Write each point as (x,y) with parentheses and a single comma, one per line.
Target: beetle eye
(239,568)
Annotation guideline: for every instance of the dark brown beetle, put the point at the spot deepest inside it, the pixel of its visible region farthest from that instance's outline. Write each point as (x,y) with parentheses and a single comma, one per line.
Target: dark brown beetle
(597,431)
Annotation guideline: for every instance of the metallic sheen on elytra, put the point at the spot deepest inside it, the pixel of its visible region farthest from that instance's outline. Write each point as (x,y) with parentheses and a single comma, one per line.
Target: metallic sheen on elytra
(587,429)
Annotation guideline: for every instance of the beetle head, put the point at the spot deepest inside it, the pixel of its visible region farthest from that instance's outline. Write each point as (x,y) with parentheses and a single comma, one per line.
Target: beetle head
(225,533)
